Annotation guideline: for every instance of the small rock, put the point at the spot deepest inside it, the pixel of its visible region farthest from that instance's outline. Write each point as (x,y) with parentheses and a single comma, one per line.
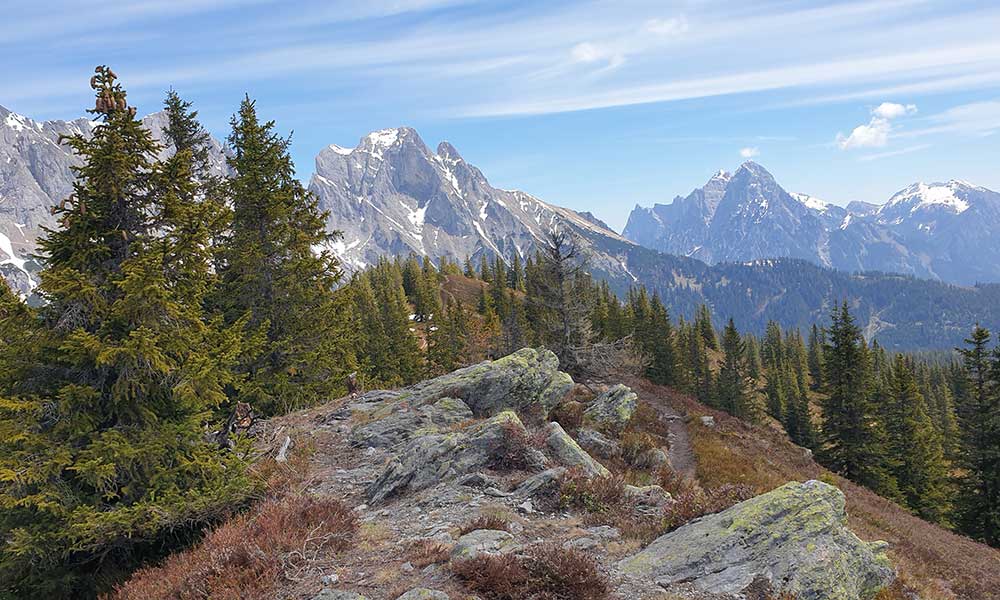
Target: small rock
(406,567)
(477,480)
(526,507)
(481,541)
(604,532)
(584,543)
(708,421)
(648,495)
(423,594)
(330,579)
(492,491)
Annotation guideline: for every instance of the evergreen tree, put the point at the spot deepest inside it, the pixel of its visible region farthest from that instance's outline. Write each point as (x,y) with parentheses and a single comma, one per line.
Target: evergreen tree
(816,342)
(566,325)
(919,468)
(101,437)
(980,419)
(448,340)
(852,439)
(272,273)
(703,322)
(469,271)
(732,395)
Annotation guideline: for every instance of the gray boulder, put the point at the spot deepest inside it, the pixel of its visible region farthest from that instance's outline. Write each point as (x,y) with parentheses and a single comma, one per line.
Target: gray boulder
(795,537)
(481,541)
(613,409)
(429,459)
(596,443)
(539,482)
(569,453)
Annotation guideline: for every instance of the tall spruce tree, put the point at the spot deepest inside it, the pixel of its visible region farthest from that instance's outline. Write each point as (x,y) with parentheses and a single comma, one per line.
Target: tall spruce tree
(979,412)
(276,269)
(101,439)
(731,391)
(566,327)
(852,438)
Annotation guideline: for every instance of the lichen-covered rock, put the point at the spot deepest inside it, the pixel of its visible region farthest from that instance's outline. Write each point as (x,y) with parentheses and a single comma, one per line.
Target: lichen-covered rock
(652,459)
(648,495)
(598,444)
(613,409)
(406,422)
(796,537)
(423,594)
(481,541)
(569,453)
(429,459)
(515,382)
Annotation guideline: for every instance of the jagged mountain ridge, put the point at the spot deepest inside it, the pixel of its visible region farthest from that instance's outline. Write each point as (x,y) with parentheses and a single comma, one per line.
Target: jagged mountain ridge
(392,195)
(36,174)
(942,231)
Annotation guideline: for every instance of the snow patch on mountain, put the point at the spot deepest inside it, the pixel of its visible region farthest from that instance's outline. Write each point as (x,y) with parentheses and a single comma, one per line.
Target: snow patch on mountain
(920,196)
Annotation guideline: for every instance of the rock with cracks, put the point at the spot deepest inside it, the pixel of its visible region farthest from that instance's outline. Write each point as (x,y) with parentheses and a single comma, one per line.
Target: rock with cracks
(795,536)
(430,459)
(569,453)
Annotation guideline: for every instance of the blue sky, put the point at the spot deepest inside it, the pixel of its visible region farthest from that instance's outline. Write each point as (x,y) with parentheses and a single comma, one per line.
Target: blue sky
(591,105)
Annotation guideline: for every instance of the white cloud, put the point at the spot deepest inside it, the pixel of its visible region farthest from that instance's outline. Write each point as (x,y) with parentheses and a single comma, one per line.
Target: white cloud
(667,27)
(875,134)
(749,152)
(891,110)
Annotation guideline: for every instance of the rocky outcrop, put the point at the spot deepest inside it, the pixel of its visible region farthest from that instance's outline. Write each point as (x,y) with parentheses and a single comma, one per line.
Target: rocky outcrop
(568,452)
(795,537)
(526,378)
(432,458)
(423,594)
(598,444)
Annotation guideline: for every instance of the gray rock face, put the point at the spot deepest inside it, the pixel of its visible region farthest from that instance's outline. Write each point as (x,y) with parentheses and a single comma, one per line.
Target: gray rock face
(406,422)
(795,537)
(481,541)
(432,458)
(613,409)
(569,453)
(939,231)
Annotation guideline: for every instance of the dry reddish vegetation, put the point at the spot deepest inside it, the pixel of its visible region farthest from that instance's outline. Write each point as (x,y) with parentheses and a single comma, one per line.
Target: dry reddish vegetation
(287,534)
(546,572)
(488,521)
(931,561)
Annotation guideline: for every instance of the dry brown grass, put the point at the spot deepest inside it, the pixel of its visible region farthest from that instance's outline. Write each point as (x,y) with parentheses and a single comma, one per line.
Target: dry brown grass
(428,552)
(250,555)
(932,562)
(486,521)
(545,572)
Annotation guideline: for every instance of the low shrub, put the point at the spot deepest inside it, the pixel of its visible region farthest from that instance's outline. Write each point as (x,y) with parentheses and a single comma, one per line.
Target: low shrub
(512,454)
(635,444)
(486,521)
(592,494)
(428,552)
(245,558)
(544,572)
(569,415)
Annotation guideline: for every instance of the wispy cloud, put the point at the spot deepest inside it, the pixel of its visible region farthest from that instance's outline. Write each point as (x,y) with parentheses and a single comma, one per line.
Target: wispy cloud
(890,153)
(875,133)
(749,152)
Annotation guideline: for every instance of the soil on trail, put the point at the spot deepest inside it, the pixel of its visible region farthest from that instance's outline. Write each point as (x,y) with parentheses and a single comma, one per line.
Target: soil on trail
(671,412)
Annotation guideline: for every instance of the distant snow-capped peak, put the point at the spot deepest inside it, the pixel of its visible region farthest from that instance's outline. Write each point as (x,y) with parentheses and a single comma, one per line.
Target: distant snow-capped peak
(811,202)
(935,195)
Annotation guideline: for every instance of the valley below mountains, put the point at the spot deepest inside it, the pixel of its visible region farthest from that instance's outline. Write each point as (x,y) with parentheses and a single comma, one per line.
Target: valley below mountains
(741,244)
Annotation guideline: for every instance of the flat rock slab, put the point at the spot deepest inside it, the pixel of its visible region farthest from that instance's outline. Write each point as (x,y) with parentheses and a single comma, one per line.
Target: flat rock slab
(795,536)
